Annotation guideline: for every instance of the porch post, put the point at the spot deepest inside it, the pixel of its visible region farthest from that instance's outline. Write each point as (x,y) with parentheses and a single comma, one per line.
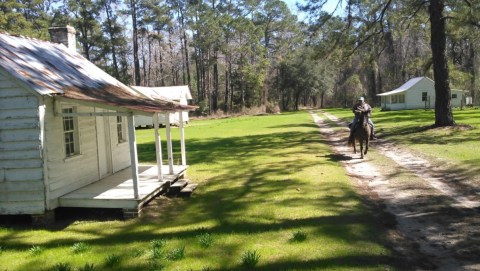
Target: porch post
(158,148)
(169,143)
(182,139)
(133,153)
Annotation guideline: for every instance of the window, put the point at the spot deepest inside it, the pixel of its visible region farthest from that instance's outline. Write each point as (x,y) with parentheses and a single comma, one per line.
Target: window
(454,96)
(398,99)
(70,132)
(424,96)
(120,130)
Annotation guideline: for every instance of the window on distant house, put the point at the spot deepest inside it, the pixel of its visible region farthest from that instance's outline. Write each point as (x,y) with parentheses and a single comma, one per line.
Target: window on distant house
(394,99)
(70,132)
(424,96)
(120,130)
(454,96)
(401,98)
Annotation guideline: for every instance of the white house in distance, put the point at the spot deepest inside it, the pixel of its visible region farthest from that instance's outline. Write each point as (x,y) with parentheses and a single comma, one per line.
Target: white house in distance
(180,94)
(416,93)
(67,136)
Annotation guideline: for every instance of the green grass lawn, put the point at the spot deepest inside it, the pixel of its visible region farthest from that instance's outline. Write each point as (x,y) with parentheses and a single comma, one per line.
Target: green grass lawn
(268,187)
(413,128)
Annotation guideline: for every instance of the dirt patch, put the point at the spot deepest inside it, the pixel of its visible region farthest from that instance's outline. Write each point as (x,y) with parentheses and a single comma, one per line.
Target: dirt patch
(434,224)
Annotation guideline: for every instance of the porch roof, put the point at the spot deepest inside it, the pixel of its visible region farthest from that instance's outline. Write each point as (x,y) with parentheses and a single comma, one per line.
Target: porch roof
(51,69)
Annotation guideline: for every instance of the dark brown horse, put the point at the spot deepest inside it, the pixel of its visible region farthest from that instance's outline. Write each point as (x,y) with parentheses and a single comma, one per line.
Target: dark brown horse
(361,133)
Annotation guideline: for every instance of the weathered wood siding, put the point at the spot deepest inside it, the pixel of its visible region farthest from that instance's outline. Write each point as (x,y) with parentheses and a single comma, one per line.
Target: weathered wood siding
(66,174)
(120,151)
(21,164)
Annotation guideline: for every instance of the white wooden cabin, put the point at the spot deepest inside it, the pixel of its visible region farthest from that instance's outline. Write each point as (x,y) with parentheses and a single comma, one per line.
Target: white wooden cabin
(180,94)
(416,93)
(67,136)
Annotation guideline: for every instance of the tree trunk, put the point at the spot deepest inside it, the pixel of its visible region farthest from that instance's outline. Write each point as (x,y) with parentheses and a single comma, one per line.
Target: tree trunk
(443,107)
(136,61)
(108,11)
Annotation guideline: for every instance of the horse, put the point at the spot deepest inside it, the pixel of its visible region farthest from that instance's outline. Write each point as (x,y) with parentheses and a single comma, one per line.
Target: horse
(361,133)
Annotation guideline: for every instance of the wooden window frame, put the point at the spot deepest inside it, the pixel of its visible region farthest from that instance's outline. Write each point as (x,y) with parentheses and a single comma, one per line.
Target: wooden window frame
(71,142)
(121,134)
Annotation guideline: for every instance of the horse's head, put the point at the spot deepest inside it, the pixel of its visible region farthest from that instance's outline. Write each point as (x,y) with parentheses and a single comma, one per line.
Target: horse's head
(363,118)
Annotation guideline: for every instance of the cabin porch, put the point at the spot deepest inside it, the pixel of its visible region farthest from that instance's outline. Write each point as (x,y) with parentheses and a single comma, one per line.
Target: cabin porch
(117,190)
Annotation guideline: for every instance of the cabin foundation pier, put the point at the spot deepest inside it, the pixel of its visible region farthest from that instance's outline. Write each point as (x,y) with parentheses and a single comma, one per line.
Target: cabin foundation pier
(44,219)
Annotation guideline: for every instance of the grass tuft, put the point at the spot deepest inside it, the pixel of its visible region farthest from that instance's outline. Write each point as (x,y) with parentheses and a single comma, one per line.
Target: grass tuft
(250,258)
(138,253)
(176,254)
(113,260)
(88,267)
(157,248)
(158,243)
(299,236)
(205,240)
(36,250)
(80,247)
(62,267)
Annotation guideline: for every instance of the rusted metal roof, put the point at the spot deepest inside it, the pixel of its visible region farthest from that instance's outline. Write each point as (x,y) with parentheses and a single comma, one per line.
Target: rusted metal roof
(51,69)
(176,93)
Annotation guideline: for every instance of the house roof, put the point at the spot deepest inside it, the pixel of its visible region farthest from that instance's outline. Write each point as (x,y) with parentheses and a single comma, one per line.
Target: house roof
(409,84)
(51,69)
(175,93)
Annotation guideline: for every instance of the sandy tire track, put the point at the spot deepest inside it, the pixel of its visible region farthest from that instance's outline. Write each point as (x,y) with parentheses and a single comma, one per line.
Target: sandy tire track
(443,221)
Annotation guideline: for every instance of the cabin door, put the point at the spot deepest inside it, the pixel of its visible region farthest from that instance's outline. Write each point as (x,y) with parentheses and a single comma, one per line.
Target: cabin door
(104,147)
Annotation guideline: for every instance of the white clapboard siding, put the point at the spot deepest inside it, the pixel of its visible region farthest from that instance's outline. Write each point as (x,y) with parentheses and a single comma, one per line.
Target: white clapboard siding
(19,155)
(21,196)
(19,135)
(23,174)
(120,151)
(20,146)
(22,207)
(21,186)
(19,113)
(24,163)
(24,123)
(68,174)
(21,164)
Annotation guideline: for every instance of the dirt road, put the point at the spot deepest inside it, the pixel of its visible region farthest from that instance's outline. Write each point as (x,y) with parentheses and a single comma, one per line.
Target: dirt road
(437,223)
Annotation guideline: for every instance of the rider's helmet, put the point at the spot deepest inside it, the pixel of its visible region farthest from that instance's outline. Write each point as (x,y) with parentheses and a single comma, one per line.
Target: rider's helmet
(361,99)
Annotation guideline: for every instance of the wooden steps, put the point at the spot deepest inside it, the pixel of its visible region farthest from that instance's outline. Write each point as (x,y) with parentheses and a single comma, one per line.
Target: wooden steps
(181,188)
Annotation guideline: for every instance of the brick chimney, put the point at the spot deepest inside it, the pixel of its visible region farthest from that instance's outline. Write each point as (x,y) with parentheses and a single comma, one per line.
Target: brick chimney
(64,35)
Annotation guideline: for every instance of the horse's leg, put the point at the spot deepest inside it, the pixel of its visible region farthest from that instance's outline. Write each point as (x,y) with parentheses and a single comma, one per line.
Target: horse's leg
(361,148)
(354,147)
(366,144)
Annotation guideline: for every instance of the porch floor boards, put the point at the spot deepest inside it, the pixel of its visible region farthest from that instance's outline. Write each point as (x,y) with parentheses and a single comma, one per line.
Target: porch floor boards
(116,190)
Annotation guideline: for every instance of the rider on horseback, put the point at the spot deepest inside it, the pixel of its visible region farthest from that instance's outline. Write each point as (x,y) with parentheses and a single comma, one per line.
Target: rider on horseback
(358,108)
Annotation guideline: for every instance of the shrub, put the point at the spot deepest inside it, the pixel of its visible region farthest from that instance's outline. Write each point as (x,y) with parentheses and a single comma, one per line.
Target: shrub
(250,258)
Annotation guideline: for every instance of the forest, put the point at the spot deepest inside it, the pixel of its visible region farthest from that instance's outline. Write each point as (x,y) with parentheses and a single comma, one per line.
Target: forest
(238,55)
